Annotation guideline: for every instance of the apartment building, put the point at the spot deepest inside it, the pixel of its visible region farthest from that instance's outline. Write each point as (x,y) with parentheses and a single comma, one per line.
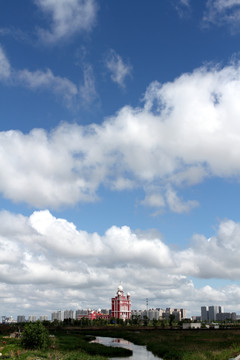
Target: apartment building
(58,315)
(32,318)
(68,314)
(21,318)
(226,316)
(210,313)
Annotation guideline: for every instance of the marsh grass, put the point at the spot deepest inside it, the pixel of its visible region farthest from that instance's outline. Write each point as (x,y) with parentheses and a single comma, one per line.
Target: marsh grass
(184,344)
(71,344)
(81,341)
(66,347)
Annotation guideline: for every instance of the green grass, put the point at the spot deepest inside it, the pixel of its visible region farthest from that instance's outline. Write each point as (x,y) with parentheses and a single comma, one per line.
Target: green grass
(71,344)
(183,344)
(64,347)
(16,352)
(80,341)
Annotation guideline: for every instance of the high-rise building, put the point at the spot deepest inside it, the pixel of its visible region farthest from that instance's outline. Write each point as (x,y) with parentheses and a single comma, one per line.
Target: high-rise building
(80,314)
(121,305)
(210,313)
(7,320)
(68,314)
(177,314)
(57,316)
(213,311)
(150,314)
(226,316)
(204,313)
(183,313)
(21,318)
(32,318)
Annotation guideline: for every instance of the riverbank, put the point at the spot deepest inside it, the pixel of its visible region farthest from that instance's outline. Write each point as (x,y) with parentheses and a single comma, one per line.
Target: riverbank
(169,344)
(182,344)
(138,352)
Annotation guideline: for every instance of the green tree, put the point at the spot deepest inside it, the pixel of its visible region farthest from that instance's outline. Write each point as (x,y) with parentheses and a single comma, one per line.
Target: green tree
(145,320)
(136,319)
(171,319)
(35,336)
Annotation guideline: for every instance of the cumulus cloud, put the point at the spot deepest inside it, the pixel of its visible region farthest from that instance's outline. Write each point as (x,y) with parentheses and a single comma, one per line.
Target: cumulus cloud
(68,17)
(186,131)
(222,12)
(44,258)
(117,68)
(215,257)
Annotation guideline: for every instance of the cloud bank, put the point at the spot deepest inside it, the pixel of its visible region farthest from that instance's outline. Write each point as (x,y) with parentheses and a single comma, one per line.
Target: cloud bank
(185,132)
(43,258)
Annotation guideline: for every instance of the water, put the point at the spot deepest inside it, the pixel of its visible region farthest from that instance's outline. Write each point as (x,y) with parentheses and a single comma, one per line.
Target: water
(139,352)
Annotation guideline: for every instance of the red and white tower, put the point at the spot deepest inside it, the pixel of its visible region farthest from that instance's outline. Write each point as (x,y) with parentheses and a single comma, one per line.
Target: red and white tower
(121,305)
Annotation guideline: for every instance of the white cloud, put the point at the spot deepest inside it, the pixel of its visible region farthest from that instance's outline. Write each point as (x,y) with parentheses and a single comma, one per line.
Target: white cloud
(47,81)
(118,69)
(32,164)
(159,198)
(68,17)
(87,90)
(182,7)
(158,146)
(5,67)
(178,205)
(154,200)
(221,12)
(216,257)
(44,258)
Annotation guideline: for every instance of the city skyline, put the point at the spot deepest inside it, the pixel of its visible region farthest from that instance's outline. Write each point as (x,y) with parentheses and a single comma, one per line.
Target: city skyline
(209,314)
(119,153)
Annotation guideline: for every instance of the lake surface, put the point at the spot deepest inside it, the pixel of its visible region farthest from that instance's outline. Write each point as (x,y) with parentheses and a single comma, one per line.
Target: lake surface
(139,352)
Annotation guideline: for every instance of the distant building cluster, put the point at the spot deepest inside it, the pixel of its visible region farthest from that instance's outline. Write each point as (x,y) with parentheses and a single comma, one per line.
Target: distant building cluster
(23,318)
(216,313)
(121,309)
(80,314)
(160,314)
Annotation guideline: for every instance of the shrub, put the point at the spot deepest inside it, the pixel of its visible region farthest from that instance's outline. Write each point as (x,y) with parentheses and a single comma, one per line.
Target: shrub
(35,336)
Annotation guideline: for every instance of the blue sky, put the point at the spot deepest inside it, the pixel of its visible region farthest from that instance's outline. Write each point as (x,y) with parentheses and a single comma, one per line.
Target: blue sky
(119,150)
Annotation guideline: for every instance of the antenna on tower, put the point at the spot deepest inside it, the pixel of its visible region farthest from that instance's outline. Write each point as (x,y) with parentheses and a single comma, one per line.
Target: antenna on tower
(147,303)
